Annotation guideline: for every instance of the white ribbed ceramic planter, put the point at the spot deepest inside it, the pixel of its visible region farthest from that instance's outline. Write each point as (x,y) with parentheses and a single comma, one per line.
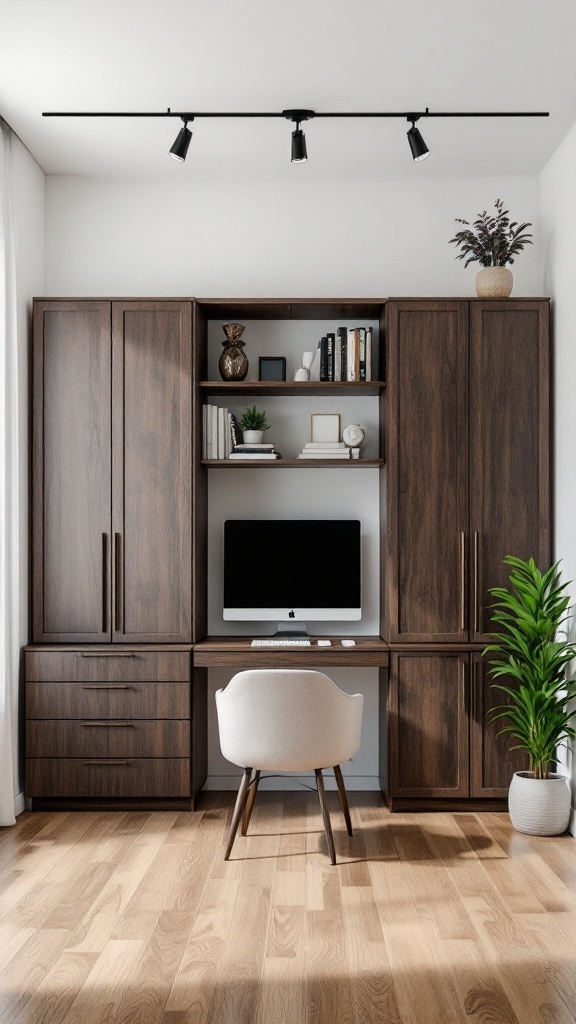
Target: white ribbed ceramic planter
(494,283)
(253,436)
(539,807)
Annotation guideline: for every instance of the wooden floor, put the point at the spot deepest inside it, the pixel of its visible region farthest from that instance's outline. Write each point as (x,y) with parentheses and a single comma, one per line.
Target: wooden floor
(426,919)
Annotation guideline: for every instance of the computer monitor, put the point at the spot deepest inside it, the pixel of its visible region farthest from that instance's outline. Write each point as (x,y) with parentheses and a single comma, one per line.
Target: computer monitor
(289,570)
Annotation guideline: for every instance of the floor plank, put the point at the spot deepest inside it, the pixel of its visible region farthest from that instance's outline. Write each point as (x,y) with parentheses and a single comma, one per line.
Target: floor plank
(135,918)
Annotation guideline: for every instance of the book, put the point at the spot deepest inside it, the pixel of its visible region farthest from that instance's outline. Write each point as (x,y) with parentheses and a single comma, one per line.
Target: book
(330,346)
(252,447)
(324,448)
(254,455)
(254,450)
(235,430)
(221,442)
(213,450)
(323,344)
(353,355)
(325,455)
(368,353)
(325,444)
(361,353)
(341,356)
(228,434)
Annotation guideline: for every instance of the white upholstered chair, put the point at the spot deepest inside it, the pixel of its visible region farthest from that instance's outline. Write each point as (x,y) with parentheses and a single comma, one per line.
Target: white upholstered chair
(287,720)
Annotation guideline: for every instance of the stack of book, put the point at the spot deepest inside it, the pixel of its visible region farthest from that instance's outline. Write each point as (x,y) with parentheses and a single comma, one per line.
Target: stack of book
(254,451)
(325,450)
(346,355)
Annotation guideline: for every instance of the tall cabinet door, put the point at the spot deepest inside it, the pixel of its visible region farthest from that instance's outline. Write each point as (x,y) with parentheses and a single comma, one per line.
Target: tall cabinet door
(427,392)
(429,697)
(71,515)
(152,485)
(492,762)
(509,445)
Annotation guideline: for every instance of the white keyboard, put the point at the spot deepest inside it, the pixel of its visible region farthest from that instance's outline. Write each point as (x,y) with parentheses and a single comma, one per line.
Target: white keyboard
(281,643)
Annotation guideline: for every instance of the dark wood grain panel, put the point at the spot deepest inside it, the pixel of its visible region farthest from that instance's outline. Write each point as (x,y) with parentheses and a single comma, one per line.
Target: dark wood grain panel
(509,426)
(107,665)
(101,738)
(429,696)
(312,388)
(492,763)
(291,309)
(129,777)
(427,383)
(71,471)
(200,482)
(107,700)
(152,470)
(237,652)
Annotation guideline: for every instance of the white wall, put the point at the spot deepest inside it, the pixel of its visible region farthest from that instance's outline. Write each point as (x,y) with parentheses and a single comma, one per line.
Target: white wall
(28,194)
(558,207)
(259,239)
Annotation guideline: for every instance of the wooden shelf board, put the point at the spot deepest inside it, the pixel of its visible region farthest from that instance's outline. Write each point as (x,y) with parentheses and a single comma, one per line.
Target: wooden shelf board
(293,463)
(236,651)
(292,387)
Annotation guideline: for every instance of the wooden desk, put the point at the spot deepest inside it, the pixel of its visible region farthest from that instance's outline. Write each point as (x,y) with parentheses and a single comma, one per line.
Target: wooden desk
(237,652)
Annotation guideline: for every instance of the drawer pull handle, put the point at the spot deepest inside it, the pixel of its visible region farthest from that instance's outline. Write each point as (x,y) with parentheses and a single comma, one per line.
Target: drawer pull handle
(107,654)
(107,686)
(122,764)
(107,725)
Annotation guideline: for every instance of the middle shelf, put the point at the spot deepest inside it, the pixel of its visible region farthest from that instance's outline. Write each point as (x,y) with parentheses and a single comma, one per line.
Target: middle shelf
(294,463)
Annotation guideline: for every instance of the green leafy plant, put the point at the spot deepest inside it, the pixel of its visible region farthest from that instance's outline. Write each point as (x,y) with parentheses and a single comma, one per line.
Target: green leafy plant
(253,420)
(493,241)
(530,616)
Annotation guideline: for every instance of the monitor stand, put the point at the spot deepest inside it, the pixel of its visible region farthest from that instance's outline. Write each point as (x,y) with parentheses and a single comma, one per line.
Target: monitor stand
(291,630)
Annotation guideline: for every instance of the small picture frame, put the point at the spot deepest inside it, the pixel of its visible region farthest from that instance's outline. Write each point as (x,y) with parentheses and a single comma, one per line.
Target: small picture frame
(272,368)
(325,427)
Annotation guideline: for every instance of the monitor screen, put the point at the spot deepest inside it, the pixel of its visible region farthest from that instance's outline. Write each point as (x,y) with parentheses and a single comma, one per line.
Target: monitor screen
(283,569)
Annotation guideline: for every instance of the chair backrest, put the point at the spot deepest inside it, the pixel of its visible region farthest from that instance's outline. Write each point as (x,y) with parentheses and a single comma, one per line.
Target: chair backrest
(288,719)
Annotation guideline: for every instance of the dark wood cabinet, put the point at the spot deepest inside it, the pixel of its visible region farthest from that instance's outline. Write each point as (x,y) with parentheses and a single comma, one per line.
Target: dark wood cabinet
(112,477)
(492,763)
(468,460)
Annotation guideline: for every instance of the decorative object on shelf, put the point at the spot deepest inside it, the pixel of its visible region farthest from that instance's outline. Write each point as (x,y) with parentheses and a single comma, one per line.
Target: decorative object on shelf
(272,368)
(493,242)
(353,435)
(253,425)
(304,372)
(325,427)
(233,363)
(530,653)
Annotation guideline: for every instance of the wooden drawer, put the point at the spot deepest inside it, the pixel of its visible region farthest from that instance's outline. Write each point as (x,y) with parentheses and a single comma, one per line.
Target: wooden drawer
(107,739)
(108,700)
(107,665)
(136,777)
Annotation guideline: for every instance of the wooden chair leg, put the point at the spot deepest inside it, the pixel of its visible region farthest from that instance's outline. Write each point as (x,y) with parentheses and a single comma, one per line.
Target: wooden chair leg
(325,814)
(343,798)
(254,782)
(238,809)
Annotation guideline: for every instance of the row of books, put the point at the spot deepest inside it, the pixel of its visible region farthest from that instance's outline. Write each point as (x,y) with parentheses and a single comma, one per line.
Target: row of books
(222,437)
(327,450)
(346,355)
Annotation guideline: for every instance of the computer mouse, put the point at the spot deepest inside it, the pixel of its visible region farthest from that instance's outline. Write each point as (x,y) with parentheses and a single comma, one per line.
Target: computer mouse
(348,643)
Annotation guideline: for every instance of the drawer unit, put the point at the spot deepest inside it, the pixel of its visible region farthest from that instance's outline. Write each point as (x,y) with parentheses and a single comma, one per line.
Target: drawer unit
(107,700)
(111,778)
(112,724)
(108,739)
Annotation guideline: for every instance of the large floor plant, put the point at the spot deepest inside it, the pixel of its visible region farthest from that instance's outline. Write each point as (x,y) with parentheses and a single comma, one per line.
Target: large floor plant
(529,656)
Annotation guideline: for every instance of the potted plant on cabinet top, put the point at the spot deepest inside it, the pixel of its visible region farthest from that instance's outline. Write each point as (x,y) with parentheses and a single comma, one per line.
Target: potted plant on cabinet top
(493,242)
(253,425)
(528,650)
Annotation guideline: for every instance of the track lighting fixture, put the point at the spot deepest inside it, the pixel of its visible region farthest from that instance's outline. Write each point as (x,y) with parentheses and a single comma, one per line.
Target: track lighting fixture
(418,147)
(180,148)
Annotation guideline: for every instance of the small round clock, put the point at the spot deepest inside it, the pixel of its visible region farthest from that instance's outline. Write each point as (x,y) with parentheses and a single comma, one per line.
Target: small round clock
(353,435)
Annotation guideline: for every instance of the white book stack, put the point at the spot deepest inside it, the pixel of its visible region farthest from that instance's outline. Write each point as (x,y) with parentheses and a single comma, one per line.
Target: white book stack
(254,452)
(216,433)
(325,450)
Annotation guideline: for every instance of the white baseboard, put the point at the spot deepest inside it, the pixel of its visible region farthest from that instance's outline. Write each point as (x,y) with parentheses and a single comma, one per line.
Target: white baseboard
(291,783)
(19,804)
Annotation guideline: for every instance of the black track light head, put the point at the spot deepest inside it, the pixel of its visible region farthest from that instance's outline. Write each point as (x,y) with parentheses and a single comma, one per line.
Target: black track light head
(299,153)
(180,148)
(417,145)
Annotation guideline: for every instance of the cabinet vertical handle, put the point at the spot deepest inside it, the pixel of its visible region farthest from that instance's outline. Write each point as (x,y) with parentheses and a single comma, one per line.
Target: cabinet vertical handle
(463,676)
(475,694)
(104,582)
(476,609)
(117,581)
(462,581)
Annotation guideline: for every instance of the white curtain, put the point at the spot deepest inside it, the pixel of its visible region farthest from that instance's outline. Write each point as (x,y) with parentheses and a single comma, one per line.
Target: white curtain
(9,488)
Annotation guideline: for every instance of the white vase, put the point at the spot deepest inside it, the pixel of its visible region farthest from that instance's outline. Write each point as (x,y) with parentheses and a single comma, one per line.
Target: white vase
(494,283)
(253,436)
(539,807)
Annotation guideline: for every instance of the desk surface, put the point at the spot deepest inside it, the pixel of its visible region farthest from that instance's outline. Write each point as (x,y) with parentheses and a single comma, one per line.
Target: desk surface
(237,652)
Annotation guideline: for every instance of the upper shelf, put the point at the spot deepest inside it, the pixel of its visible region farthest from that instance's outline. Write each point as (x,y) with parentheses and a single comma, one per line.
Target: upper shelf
(292,387)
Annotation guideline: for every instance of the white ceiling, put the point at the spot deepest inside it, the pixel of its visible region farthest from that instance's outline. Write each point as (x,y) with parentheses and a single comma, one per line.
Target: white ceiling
(147,55)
